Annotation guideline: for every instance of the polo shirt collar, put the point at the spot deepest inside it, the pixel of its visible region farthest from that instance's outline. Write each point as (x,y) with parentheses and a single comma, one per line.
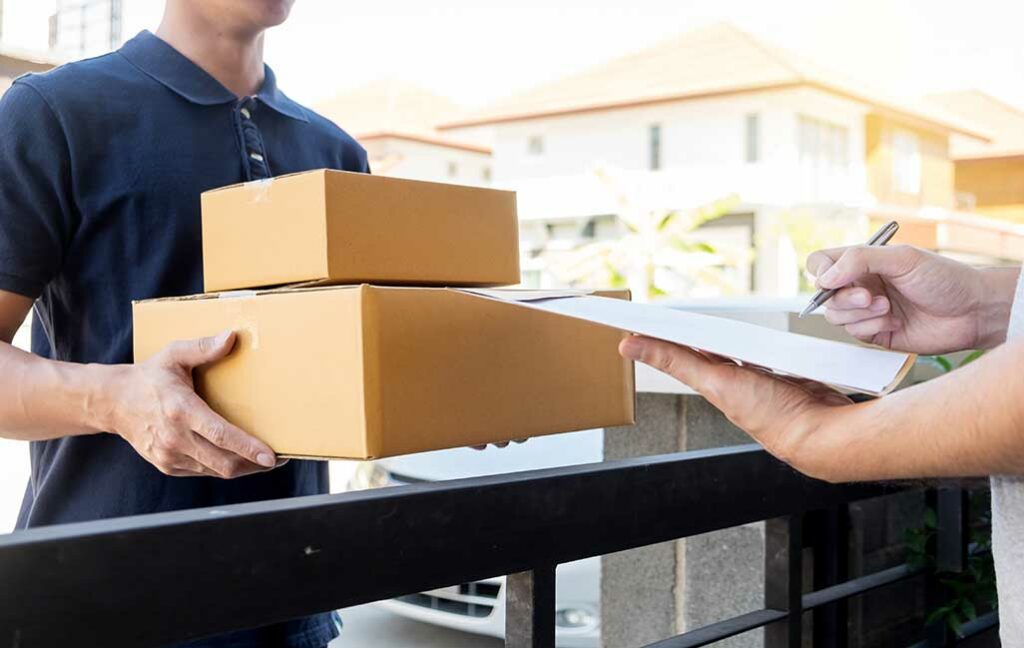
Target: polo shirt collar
(170,67)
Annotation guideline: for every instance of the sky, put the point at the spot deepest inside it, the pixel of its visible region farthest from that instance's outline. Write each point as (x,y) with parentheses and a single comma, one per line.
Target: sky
(477,51)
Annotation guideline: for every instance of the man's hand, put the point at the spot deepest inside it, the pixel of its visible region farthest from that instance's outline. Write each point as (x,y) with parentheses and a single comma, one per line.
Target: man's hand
(499,444)
(155,408)
(904,298)
(966,423)
(782,414)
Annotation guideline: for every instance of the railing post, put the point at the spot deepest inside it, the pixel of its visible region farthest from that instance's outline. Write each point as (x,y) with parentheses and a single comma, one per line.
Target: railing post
(530,608)
(831,566)
(950,551)
(784,582)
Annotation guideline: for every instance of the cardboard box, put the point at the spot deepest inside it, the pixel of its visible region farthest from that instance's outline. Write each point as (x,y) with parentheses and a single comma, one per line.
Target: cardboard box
(334,227)
(364,372)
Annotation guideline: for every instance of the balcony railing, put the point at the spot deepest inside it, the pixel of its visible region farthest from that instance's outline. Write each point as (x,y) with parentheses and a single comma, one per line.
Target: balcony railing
(159,579)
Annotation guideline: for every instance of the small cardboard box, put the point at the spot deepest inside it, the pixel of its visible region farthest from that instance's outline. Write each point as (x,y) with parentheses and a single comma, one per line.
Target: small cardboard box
(365,372)
(334,227)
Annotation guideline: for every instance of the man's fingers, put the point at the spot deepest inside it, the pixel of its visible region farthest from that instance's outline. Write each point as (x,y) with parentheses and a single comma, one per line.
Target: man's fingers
(222,463)
(215,429)
(879,308)
(862,260)
(850,298)
(822,260)
(686,366)
(868,329)
(189,467)
(201,351)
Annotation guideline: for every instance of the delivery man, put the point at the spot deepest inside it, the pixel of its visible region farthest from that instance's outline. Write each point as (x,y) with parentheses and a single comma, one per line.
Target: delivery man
(967,423)
(101,166)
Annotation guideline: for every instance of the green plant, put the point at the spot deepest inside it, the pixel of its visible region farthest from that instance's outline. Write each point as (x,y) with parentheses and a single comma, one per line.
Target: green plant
(971,588)
(808,232)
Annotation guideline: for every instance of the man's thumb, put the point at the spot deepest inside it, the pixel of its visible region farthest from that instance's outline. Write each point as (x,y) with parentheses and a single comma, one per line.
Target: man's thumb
(193,353)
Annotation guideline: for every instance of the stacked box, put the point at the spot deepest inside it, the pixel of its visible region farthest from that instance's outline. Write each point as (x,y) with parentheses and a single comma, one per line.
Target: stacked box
(354,337)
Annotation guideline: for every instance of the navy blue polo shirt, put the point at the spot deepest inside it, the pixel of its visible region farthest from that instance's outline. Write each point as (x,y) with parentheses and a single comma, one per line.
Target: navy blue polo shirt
(101,166)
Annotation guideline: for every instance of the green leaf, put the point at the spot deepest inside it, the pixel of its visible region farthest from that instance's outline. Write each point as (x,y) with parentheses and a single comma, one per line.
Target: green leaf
(942,361)
(669,217)
(968,609)
(938,613)
(930,519)
(971,357)
(954,623)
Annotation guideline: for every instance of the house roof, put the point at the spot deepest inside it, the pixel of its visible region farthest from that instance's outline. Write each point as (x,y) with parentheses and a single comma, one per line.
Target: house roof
(396,109)
(39,61)
(720,59)
(1004,121)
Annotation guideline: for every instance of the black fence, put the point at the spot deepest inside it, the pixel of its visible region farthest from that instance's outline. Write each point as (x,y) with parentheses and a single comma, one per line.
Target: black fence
(160,579)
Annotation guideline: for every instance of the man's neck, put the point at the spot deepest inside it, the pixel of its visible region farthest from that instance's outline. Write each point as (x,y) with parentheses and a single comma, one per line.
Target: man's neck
(236,60)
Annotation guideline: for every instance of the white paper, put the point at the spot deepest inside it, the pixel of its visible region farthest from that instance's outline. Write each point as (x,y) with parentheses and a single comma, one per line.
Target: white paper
(863,369)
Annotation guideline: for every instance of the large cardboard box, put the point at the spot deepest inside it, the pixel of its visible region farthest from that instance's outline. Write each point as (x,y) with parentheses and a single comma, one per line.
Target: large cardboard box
(363,372)
(334,227)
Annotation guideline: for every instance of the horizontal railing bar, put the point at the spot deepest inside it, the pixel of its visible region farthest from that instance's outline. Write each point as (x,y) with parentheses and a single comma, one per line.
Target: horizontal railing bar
(973,632)
(859,585)
(165,578)
(709,634)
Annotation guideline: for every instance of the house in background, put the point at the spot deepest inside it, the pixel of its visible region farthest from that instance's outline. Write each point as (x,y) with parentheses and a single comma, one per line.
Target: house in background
(81,28)
(395,121)
(989,175)
(716,112)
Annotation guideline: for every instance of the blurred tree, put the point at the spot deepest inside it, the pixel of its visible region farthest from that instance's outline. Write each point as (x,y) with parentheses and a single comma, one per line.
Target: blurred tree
(659,253)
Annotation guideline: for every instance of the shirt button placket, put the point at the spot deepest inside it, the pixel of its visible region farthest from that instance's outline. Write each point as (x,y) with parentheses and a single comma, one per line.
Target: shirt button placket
(253,151)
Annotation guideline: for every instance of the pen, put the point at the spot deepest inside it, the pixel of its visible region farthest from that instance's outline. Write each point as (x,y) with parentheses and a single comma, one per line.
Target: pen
(881,237)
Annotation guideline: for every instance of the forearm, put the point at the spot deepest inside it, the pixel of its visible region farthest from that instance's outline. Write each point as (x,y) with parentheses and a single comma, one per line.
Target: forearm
(967,423)
(45,399)
(998,286)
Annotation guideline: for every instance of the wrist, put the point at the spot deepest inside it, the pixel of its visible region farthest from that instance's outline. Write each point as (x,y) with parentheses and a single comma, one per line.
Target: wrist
(102,383)
(824,451)
(997,289)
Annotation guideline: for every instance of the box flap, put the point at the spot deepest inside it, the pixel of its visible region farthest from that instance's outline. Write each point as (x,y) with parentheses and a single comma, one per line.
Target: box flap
(858,368)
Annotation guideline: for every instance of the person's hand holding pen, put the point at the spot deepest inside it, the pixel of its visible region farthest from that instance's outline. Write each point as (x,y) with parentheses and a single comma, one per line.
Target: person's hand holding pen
(904,298)
(899,297)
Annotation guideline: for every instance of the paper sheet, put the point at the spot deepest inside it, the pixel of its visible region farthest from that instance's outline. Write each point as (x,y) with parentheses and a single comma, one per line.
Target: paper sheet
(863,369)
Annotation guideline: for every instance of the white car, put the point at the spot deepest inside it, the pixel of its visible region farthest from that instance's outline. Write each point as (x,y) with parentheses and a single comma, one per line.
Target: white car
(479,607)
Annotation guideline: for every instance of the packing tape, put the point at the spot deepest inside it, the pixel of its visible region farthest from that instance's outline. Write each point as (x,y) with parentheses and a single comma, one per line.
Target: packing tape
(243,321)
(259,190)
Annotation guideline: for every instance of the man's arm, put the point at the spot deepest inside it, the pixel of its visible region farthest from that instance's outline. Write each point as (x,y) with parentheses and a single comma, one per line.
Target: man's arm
(64,412)
(967,423)
(964,424)
(152,405)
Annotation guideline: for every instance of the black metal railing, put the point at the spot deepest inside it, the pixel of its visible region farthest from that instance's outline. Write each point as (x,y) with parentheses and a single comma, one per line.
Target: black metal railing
(160,579)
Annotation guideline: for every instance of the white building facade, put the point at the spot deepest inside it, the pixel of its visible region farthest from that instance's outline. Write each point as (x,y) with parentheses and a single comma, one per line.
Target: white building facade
(780,152)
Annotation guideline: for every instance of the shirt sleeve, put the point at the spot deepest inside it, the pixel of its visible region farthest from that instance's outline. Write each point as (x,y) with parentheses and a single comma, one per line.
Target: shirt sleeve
(36,207)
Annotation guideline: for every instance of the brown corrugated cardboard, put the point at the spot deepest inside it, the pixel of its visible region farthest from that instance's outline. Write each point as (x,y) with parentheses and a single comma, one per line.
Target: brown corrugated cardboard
(364,371)
(347,228)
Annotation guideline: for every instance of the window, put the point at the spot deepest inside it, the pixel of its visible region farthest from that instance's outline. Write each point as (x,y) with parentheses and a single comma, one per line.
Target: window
(823,144)
(453,169)
(824,158)
(753,138)
(535,146)
(655,146)
(906,162)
